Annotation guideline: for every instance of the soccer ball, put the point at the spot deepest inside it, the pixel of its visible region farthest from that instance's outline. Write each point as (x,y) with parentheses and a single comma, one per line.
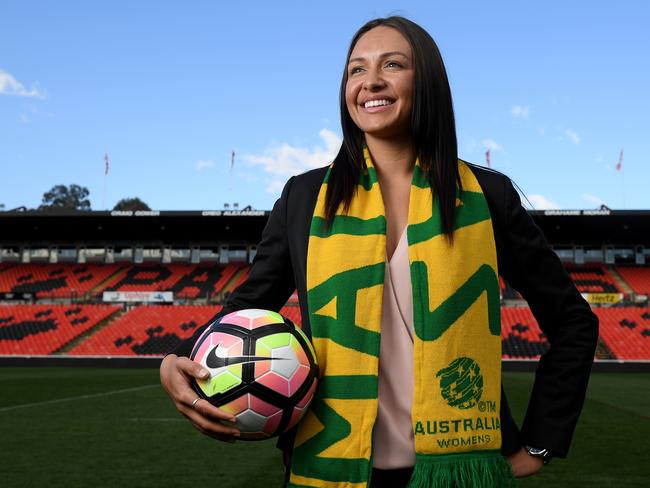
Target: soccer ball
(263,370)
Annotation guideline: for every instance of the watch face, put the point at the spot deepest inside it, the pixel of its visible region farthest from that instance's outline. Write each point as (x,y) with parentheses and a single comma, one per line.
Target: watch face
(544,454)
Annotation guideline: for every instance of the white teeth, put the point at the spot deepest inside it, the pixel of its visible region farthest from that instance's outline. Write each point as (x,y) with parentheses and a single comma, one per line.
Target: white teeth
(376,103)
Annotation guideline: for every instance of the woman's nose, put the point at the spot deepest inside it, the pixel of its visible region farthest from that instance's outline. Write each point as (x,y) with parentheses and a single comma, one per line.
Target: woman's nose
(373,81)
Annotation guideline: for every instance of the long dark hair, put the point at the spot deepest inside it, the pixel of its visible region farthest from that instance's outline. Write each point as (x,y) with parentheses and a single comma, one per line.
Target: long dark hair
(433,129)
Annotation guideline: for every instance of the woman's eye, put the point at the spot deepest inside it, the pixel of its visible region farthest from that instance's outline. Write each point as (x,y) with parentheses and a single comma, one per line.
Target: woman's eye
(393,64)
(355,70)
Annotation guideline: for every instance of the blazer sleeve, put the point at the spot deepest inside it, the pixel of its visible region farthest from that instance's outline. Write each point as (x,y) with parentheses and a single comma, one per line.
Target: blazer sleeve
(560,386)
(270,281)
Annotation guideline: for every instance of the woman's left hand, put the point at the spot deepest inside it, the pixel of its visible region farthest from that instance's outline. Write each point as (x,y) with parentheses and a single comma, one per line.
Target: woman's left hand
(523,464)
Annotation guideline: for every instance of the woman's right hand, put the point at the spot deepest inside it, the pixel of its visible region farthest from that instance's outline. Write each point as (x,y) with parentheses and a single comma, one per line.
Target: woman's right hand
(176,373)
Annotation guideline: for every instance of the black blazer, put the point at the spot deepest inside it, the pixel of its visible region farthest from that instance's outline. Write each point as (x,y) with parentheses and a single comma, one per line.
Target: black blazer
(524,260)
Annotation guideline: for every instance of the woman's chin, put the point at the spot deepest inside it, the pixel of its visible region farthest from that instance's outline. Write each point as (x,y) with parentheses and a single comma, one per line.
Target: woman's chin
(387,132)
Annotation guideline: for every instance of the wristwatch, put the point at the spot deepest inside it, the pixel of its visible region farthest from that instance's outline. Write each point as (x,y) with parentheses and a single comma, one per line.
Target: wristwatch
(543,454)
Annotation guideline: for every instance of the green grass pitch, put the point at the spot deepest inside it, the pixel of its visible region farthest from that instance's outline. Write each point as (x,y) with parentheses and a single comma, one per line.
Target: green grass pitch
(66,427)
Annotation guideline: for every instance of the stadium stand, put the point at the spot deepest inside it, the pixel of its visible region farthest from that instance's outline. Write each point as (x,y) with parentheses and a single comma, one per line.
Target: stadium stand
(43,329)
(86,280)
(154,330)
(626,331)
(185,280)
(55,280)
(521,337)
(292,312)
(638,278)
(593,278)
(201,257)
(147,330)
(240,279)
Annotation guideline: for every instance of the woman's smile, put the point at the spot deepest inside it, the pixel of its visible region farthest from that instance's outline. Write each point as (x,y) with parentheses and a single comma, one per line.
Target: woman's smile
(377,105)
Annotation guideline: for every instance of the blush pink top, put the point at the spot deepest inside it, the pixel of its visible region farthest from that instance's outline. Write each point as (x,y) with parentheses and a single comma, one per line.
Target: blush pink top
(393,445)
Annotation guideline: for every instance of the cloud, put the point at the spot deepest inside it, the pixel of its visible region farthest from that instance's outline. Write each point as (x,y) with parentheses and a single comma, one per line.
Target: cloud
(540,202)
(520,111)
(573,136)
(24,119)
(275,186)
(11,86)
(284,160)
(491,145)
(204,164)
(593,199)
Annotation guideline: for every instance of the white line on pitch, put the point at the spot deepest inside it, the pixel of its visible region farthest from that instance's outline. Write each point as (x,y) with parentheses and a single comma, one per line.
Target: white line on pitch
(80,397)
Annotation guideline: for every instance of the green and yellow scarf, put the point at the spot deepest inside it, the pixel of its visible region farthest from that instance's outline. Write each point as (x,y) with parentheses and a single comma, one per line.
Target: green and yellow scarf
(457,341)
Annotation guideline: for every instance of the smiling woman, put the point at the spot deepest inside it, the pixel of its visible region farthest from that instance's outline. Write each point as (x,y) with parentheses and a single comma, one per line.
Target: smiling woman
(396,249)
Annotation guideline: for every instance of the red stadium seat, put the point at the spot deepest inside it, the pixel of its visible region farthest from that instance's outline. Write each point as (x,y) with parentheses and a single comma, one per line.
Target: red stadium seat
(55,280)
(626,331)
(43,329)
(147,331)
(75,280)
(593,278)
(521,337)
(637,278)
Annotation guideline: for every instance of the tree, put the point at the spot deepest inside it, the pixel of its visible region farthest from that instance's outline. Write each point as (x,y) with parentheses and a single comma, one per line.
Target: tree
(131,204)
(61,197)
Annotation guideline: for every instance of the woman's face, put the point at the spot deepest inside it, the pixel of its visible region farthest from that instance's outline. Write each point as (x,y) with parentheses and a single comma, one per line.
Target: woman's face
(379,89)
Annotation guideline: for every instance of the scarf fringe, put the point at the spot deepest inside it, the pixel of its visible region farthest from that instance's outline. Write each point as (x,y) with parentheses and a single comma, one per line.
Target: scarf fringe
(467,470)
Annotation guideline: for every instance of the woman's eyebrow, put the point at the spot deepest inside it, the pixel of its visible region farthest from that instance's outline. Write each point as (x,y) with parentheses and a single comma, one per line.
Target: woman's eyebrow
(383,55)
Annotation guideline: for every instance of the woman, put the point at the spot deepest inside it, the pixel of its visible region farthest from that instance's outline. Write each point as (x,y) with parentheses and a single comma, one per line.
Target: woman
(394,249)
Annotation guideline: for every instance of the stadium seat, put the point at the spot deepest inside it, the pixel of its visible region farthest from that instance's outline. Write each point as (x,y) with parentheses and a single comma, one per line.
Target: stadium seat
(44,329)
(154,330)
(626,331)
(55,280)
(593,278)
(66,280)
(521,337)
(637,278)
(147,331)
(185,280)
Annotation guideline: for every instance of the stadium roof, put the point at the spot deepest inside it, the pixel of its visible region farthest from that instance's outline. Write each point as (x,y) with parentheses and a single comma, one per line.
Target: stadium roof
(561,227)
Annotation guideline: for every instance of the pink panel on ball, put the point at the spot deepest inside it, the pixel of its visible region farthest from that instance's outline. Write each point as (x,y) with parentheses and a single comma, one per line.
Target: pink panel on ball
(296,415)
(237,406)
(272,423)
(308,396)
(263,408)
(275,382)
(252,318)
(300,354)
(298,379)
(262,367)
(265,320)
(237,318)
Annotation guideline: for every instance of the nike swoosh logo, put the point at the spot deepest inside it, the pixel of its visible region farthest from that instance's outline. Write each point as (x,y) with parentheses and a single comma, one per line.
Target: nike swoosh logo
(214,362)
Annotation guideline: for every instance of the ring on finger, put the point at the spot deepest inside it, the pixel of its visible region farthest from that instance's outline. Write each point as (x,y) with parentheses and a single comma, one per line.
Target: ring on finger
(195,402)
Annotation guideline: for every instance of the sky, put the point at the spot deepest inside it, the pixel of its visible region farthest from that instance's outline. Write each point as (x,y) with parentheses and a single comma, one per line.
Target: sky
(168,90)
